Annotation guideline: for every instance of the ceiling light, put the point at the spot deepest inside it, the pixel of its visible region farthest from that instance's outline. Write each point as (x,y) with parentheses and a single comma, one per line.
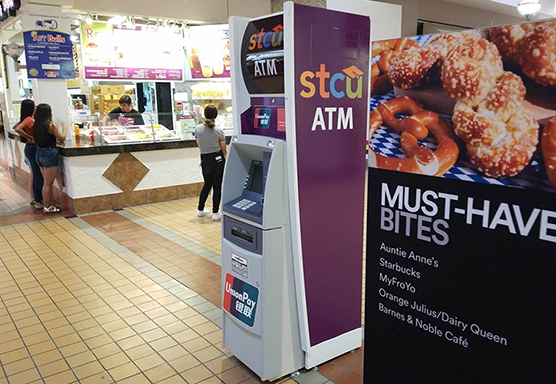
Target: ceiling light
(529,8)
(89,20)
(116,20)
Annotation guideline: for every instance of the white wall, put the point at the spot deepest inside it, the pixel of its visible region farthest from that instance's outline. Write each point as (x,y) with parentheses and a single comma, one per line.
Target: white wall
(386,19)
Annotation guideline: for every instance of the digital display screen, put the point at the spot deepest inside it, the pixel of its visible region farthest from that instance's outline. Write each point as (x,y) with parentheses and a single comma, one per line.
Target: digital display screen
(256,184)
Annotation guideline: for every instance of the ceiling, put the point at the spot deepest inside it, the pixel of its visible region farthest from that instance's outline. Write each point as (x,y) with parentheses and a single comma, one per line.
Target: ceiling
(508,7)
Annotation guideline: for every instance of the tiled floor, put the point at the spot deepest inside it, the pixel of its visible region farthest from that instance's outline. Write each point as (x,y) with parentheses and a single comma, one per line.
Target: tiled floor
(121,297)
(14,203)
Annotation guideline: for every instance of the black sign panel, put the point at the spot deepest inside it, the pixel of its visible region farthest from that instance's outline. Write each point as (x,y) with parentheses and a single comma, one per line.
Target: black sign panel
(8,8)
(459,282)
(262,55)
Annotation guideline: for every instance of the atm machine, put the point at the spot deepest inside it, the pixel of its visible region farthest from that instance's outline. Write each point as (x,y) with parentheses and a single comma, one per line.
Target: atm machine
(293,217)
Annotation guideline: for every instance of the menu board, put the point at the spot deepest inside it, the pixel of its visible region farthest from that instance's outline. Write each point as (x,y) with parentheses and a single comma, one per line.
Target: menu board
(132,53)
(48,48)
(209,51)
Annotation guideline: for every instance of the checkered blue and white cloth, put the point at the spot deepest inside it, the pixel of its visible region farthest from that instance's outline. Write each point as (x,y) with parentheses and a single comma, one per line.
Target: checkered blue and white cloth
(387,142)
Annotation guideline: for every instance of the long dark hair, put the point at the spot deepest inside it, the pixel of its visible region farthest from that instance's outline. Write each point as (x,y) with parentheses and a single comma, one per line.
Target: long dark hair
(27,110)
(43,118)
(211,113)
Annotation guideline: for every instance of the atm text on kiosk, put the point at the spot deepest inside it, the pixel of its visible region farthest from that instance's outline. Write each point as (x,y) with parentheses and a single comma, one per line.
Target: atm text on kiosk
(279,315)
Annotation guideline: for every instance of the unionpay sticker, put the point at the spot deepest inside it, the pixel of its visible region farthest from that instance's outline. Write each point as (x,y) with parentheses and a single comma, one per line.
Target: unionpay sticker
(262,117)
(240,299)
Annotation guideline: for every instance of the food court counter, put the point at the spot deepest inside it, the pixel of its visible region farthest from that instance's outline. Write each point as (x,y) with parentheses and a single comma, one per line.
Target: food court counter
(95,176)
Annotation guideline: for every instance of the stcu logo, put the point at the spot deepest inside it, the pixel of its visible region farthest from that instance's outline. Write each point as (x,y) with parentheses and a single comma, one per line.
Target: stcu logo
(47,24)
(340,84)
(266,39)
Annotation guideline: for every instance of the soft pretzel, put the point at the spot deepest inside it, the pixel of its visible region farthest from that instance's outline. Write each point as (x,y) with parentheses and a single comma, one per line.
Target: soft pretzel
(420,65)
(508,39)
(471,70)
(419,159)
(538,54)
(501,134)
(412,67)
(532,46)
(548,144)
(379,71)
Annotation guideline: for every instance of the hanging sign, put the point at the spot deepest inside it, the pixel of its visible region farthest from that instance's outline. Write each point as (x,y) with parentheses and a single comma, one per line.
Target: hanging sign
(48,47)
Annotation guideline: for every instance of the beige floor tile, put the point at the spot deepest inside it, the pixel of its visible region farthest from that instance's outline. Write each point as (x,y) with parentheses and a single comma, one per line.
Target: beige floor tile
(162,344)
(25,377)
(115,360)
(99,378)
(173,380)
(141,351)
(18,366)
(65,377)
(234,376)
(53,368)
(107,350)
(124,371)
(160,372)
(211,380)
(220,364)
(81,359)
(197,374)
(184,363)
(148,362)
(88,370)
(137,379)
(196,344)
(174,353)
(47,357)
(74,349)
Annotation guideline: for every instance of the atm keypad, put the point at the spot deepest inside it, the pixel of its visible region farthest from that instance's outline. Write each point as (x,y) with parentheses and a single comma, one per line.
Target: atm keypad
(244,204)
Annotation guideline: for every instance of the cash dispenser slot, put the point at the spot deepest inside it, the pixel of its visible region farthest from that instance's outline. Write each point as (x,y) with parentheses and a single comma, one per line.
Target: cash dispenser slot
(243,235)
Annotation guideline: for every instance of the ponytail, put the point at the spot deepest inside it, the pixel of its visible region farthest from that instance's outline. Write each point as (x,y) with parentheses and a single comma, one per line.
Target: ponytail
(211,113)
(210,122)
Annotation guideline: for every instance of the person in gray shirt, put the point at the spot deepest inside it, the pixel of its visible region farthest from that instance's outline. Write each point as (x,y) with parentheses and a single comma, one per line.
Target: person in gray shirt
(212,143)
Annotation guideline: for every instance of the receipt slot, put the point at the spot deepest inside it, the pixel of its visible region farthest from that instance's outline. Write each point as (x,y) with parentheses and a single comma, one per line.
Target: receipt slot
(293,189)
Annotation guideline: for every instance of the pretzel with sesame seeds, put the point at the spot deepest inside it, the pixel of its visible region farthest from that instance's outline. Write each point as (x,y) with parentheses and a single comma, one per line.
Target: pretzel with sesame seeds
(420,65)
(532,46)
(420,160)
(548,144)
(500,133)
(388,49)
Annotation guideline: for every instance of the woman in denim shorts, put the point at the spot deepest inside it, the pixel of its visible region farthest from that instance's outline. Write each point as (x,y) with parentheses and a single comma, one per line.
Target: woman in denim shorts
(46,134)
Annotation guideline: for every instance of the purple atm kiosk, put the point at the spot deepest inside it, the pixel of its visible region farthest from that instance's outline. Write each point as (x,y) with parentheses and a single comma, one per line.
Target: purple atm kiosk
(294,185)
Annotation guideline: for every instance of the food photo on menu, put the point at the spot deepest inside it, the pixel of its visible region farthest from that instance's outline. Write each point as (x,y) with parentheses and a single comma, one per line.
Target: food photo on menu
(477,105)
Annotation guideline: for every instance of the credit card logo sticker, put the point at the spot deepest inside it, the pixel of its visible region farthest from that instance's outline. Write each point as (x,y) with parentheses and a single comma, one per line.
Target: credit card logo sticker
(240,299)
(262,118)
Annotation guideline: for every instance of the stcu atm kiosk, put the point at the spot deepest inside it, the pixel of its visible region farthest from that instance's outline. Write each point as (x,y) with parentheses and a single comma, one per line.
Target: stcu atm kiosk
(293,190)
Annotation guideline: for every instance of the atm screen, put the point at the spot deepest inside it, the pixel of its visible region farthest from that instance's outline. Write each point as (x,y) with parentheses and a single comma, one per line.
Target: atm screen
(256,184)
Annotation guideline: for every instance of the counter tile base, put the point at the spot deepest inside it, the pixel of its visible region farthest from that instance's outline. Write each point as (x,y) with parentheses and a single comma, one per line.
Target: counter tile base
(115,201)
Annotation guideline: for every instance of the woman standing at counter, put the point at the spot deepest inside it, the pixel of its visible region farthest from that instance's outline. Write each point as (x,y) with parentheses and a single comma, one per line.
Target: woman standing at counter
(24,129)
(212,143)
(46,134)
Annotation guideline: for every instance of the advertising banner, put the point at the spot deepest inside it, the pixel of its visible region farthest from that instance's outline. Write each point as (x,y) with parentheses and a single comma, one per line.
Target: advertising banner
(461,208)
(48,47)
(331,77)
(132,52)
(209,51)
(262,53)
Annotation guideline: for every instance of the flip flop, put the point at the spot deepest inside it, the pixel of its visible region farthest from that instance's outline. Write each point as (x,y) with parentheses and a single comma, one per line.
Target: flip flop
(52,209)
